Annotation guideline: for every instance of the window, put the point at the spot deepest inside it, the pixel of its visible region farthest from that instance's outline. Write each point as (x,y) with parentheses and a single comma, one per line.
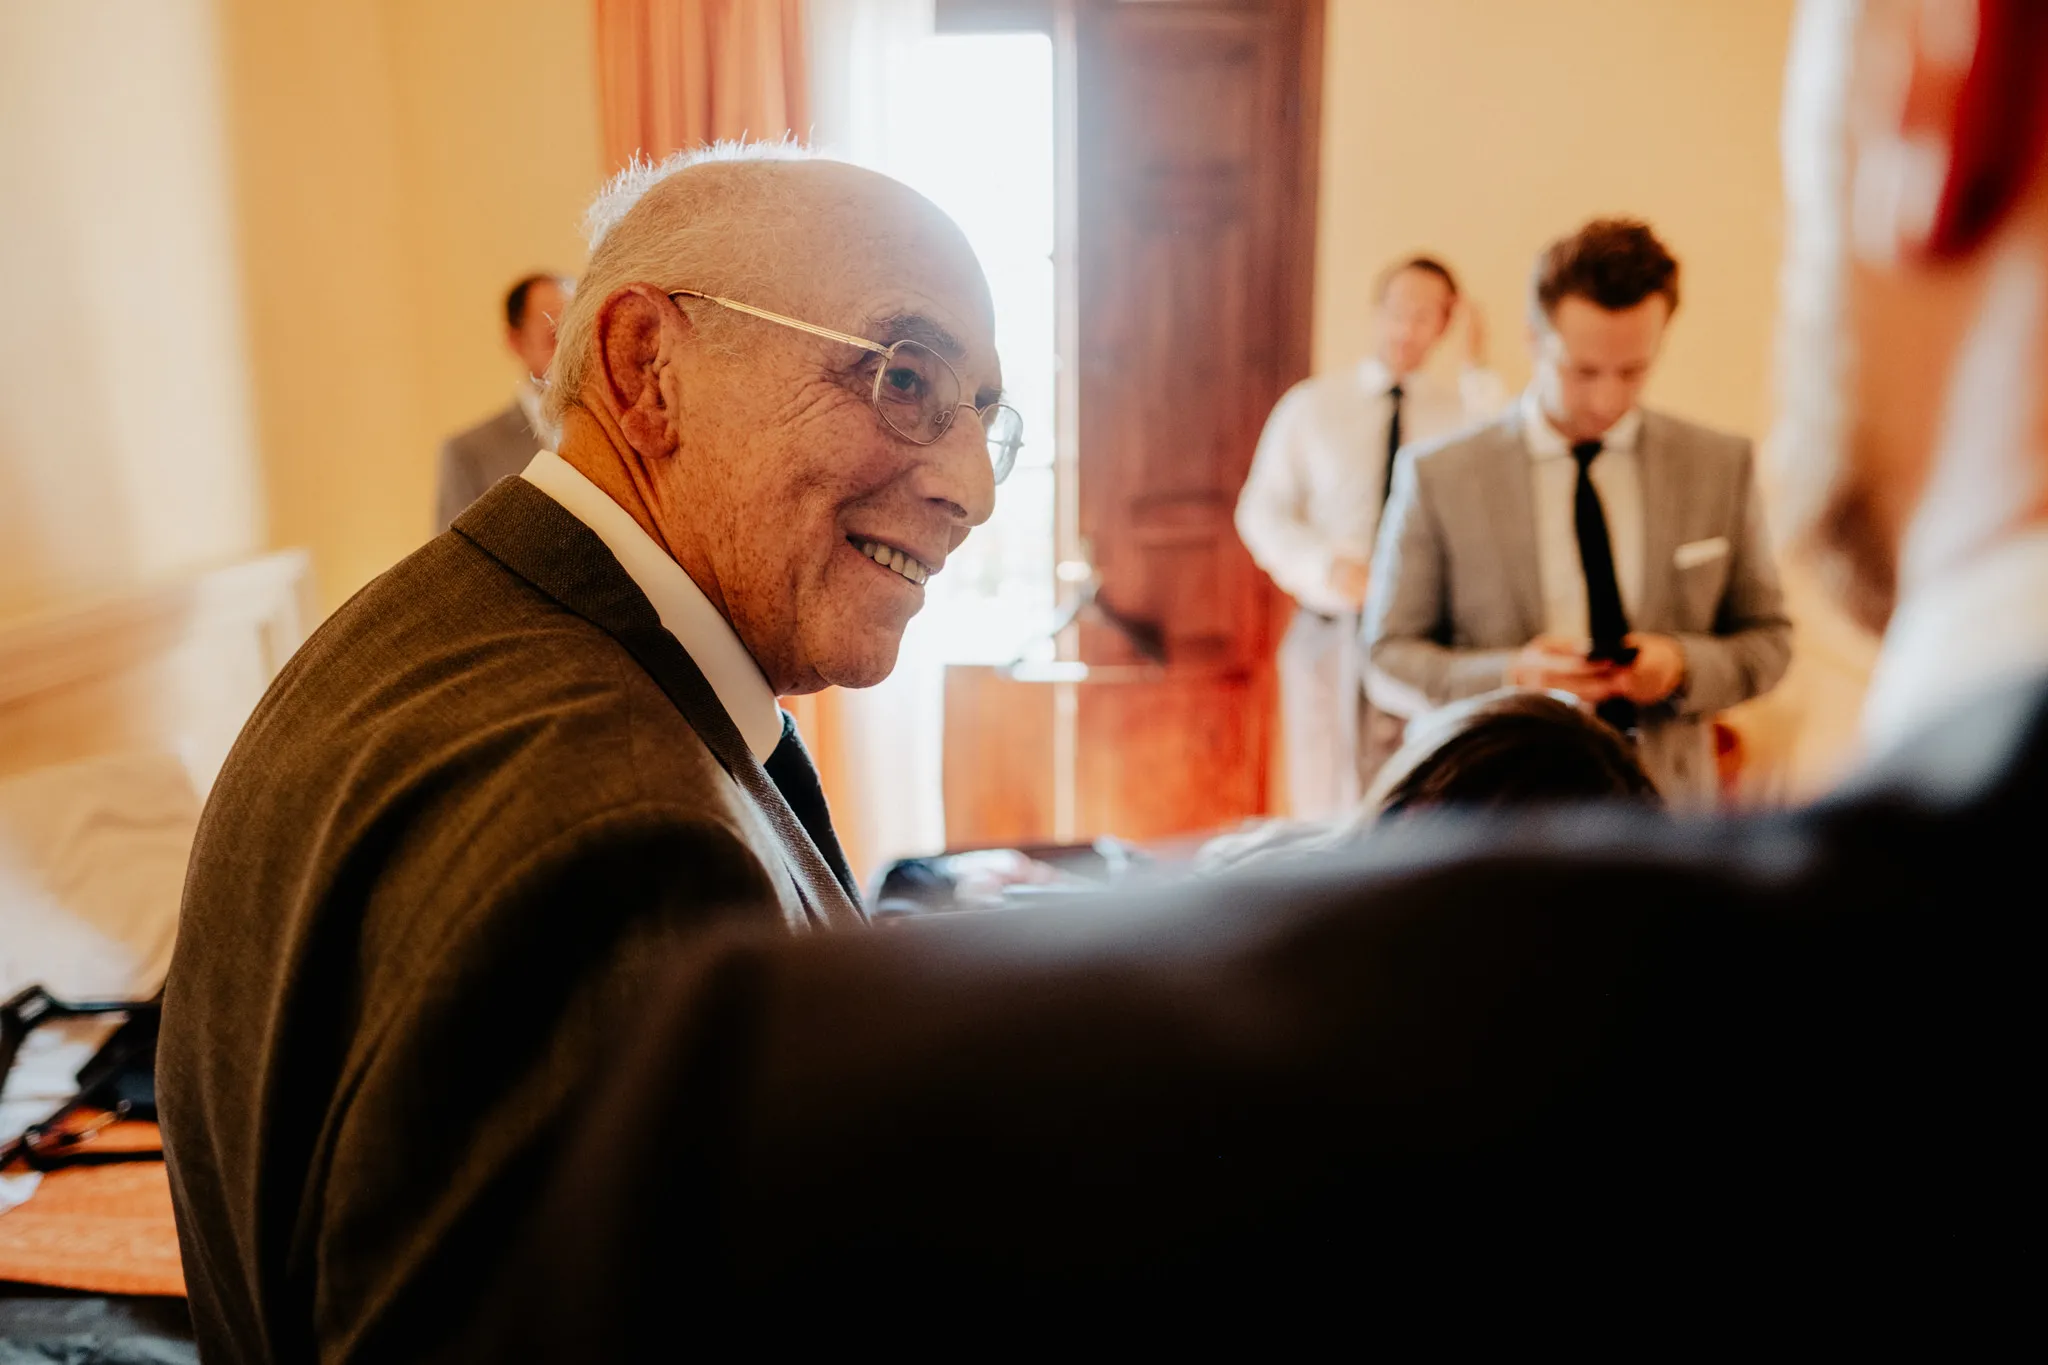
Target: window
(981,107)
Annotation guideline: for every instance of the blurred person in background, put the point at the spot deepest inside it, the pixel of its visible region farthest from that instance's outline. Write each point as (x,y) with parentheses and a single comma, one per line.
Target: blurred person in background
(500,446)
(1311,507)
(1581,543)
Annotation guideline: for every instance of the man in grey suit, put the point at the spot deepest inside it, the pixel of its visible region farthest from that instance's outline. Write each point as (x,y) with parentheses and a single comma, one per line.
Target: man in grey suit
(1580,543)
(542,755)
(499,447)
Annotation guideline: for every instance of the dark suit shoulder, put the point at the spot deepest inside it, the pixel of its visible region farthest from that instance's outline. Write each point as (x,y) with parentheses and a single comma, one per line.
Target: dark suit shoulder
(451,674)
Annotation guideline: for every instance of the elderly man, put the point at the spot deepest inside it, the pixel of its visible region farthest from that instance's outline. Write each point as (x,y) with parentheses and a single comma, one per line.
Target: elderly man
(539,757)
(1774,1064)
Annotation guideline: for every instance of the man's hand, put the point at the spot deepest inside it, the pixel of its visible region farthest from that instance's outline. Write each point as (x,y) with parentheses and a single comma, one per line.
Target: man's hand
(1555,664)
(1471,325)
(1658,669)
(1349,578)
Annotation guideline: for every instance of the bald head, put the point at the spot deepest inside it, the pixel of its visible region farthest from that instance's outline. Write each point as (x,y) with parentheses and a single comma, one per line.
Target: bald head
(753,450)
(768,225)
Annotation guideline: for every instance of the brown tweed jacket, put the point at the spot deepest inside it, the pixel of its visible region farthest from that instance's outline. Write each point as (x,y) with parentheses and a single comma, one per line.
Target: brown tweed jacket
(469,818)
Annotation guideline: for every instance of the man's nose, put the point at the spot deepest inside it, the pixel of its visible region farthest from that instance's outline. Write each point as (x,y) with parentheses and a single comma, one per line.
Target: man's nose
(957,473)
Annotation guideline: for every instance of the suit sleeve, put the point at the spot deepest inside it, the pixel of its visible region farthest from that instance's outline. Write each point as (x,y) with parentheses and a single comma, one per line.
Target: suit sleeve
(1411,668)
(1751,642)
(472,1072)
(1271,510)
(458,484)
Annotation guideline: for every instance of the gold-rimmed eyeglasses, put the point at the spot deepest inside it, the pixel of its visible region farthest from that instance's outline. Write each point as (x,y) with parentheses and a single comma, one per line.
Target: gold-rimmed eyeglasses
(916,391)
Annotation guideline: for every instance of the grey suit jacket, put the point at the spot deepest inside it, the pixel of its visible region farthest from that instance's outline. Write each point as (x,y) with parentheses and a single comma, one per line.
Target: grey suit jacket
(475,810)
(473,460)
(1456,588)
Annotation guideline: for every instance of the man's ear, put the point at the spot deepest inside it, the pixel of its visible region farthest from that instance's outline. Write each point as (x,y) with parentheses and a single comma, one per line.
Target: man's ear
(632,327)
(1950,123)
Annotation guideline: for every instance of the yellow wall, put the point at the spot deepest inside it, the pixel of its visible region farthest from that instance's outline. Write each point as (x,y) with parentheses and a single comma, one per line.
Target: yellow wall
(1479,130)
(399,164)
(125,449)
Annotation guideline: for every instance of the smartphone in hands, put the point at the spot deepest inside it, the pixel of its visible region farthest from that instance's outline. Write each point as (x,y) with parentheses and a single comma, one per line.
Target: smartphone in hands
(1620,655)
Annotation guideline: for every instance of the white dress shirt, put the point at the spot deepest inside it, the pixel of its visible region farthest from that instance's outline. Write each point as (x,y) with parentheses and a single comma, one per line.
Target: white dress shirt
(1314,490)
(685,611)
(1617,475)
(1966,633)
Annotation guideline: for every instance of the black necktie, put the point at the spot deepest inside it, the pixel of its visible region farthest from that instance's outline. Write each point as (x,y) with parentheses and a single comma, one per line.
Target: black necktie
(1393,441)
(790,769)
(1604,613)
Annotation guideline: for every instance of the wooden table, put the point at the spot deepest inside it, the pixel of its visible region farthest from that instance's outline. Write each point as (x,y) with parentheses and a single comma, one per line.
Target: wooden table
(102,1229)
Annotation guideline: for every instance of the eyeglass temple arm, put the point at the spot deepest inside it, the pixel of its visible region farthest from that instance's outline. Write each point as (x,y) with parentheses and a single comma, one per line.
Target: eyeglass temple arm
(813,328)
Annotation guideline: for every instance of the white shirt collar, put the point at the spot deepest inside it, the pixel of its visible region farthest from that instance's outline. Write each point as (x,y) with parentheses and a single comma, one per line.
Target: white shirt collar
(685,611)
(1964,634)
(1547,442)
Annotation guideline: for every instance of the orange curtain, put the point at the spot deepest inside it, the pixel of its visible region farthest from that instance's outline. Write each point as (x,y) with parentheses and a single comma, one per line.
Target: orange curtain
(676,73)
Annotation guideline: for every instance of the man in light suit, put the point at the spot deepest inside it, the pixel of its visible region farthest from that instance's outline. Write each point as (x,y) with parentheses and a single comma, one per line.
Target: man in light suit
(499,447)
(1581,543)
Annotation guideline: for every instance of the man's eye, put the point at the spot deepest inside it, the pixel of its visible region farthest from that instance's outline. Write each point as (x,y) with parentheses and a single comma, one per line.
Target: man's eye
(902,382)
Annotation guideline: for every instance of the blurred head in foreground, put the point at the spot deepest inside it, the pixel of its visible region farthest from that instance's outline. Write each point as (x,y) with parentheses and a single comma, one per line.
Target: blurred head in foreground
(1508,748)
(1915,289)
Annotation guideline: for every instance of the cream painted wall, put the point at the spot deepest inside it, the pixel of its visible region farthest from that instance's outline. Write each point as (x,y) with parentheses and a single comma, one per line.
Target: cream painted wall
(1479,130)
(125,448)
(399,164)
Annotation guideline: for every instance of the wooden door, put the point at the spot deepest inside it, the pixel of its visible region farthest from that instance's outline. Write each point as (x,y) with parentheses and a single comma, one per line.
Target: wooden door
(1196,236)
(1193,162)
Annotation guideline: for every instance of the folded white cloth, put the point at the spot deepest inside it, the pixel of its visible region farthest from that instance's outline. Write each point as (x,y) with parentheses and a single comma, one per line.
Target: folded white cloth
(92,865)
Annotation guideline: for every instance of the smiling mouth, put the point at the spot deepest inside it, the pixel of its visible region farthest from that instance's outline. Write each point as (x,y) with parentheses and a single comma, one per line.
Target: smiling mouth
(915,570)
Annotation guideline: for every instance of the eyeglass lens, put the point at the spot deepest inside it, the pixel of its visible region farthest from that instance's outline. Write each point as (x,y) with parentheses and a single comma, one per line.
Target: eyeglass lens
(917,394)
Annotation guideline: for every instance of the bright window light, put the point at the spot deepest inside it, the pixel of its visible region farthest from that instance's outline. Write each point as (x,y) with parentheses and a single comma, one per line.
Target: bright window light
(982,107)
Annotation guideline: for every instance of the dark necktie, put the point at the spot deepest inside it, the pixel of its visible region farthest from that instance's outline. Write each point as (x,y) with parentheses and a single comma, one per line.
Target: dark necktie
(790,769)
(1393,440)
(1604,613)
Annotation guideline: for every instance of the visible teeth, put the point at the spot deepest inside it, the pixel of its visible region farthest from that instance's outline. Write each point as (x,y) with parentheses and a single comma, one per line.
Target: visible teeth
(893,559)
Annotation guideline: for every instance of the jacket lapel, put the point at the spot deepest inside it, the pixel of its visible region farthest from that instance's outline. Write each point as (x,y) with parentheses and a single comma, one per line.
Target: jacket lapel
(537,538)
(1658,476)
(1511,516)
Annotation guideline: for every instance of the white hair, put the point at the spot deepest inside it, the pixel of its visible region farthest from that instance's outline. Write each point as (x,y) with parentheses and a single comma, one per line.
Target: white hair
(681,237)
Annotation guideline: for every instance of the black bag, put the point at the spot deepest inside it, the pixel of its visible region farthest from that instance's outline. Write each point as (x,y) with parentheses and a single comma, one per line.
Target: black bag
(119,1079)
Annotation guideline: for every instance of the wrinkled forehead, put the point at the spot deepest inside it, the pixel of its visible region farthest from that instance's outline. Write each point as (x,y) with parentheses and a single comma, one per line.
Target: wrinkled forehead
(871,256)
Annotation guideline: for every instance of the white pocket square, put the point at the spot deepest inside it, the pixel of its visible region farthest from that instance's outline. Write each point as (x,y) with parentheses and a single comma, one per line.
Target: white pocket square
(1697,552)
